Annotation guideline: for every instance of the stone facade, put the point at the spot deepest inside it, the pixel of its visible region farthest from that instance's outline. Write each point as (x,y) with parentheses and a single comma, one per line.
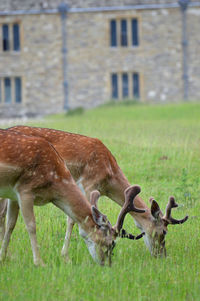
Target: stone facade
(39,64)
(90,59)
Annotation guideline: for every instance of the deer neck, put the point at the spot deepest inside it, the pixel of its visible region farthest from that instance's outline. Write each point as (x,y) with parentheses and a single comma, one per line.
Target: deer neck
(78,208)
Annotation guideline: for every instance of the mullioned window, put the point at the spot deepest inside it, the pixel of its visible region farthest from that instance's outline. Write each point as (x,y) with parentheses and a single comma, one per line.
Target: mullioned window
(124,32)
(10,90)
(11,37)
(125,85)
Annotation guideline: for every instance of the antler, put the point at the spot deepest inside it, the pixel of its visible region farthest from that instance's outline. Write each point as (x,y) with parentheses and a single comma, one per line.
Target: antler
(124,234)
(94,196)
(130,193)
(172,204)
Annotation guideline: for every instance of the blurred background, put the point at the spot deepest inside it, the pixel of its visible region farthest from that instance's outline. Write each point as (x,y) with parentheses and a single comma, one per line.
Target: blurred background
(56,56)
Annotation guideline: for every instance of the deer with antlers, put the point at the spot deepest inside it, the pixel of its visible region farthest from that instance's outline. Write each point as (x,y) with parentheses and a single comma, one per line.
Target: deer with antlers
(33,173)
(94,168)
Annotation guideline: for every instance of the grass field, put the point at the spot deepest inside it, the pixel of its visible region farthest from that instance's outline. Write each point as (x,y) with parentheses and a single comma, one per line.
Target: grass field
(157,147)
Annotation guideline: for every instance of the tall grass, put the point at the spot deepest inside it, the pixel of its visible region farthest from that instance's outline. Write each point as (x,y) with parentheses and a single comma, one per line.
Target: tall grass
(157,147)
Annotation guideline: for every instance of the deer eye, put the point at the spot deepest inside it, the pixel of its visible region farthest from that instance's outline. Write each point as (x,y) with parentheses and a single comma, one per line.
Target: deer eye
(164,232)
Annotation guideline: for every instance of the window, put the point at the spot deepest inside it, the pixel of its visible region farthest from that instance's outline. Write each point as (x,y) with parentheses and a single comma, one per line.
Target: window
(10,90)
(18,90)
(124,32)
(125,85)
(136,88)
(114,80)
(113,33)
(7,89)
(134,24)
(11,37)
(16,40)
(5,35)
(125,91)
(124,38)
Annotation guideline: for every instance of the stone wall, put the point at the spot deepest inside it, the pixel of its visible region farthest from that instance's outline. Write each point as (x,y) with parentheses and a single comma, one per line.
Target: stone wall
(158,59)
(90,59)
(39,64)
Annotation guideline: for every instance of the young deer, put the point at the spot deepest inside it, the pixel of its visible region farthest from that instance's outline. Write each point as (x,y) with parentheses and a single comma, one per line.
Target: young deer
(94,167)
(33,173)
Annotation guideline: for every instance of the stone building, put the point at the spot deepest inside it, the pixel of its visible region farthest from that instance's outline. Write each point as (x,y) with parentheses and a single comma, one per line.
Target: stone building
(56,56)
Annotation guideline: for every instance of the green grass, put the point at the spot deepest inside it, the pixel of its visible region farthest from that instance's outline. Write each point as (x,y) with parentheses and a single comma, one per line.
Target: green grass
(158,148)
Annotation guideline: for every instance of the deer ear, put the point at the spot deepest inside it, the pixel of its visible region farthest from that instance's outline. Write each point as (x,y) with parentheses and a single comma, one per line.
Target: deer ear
(94,196)
(99,218)
(155,209)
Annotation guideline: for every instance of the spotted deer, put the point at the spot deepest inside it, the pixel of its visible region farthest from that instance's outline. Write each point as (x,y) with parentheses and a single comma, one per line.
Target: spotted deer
(33,173)
(94,168)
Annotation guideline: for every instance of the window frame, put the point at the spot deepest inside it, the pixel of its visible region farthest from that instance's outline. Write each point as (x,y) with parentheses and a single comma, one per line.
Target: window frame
(129,20)
(11,25)
(130,76)
(12,90)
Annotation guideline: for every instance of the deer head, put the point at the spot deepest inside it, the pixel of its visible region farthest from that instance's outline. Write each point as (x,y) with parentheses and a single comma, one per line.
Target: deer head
(102,241)
(156,233)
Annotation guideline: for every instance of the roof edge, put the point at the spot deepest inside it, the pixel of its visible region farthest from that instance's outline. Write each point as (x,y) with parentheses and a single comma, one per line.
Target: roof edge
(97,9)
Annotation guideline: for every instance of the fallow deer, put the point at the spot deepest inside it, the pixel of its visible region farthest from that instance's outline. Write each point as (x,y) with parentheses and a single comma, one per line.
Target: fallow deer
(33,173)
(94,167)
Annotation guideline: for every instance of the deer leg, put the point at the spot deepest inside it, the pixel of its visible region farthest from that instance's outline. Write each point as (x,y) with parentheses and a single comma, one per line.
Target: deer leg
(26,206)
(3,210)
(13,210)
(70,225)
(64,207)
(65,248)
